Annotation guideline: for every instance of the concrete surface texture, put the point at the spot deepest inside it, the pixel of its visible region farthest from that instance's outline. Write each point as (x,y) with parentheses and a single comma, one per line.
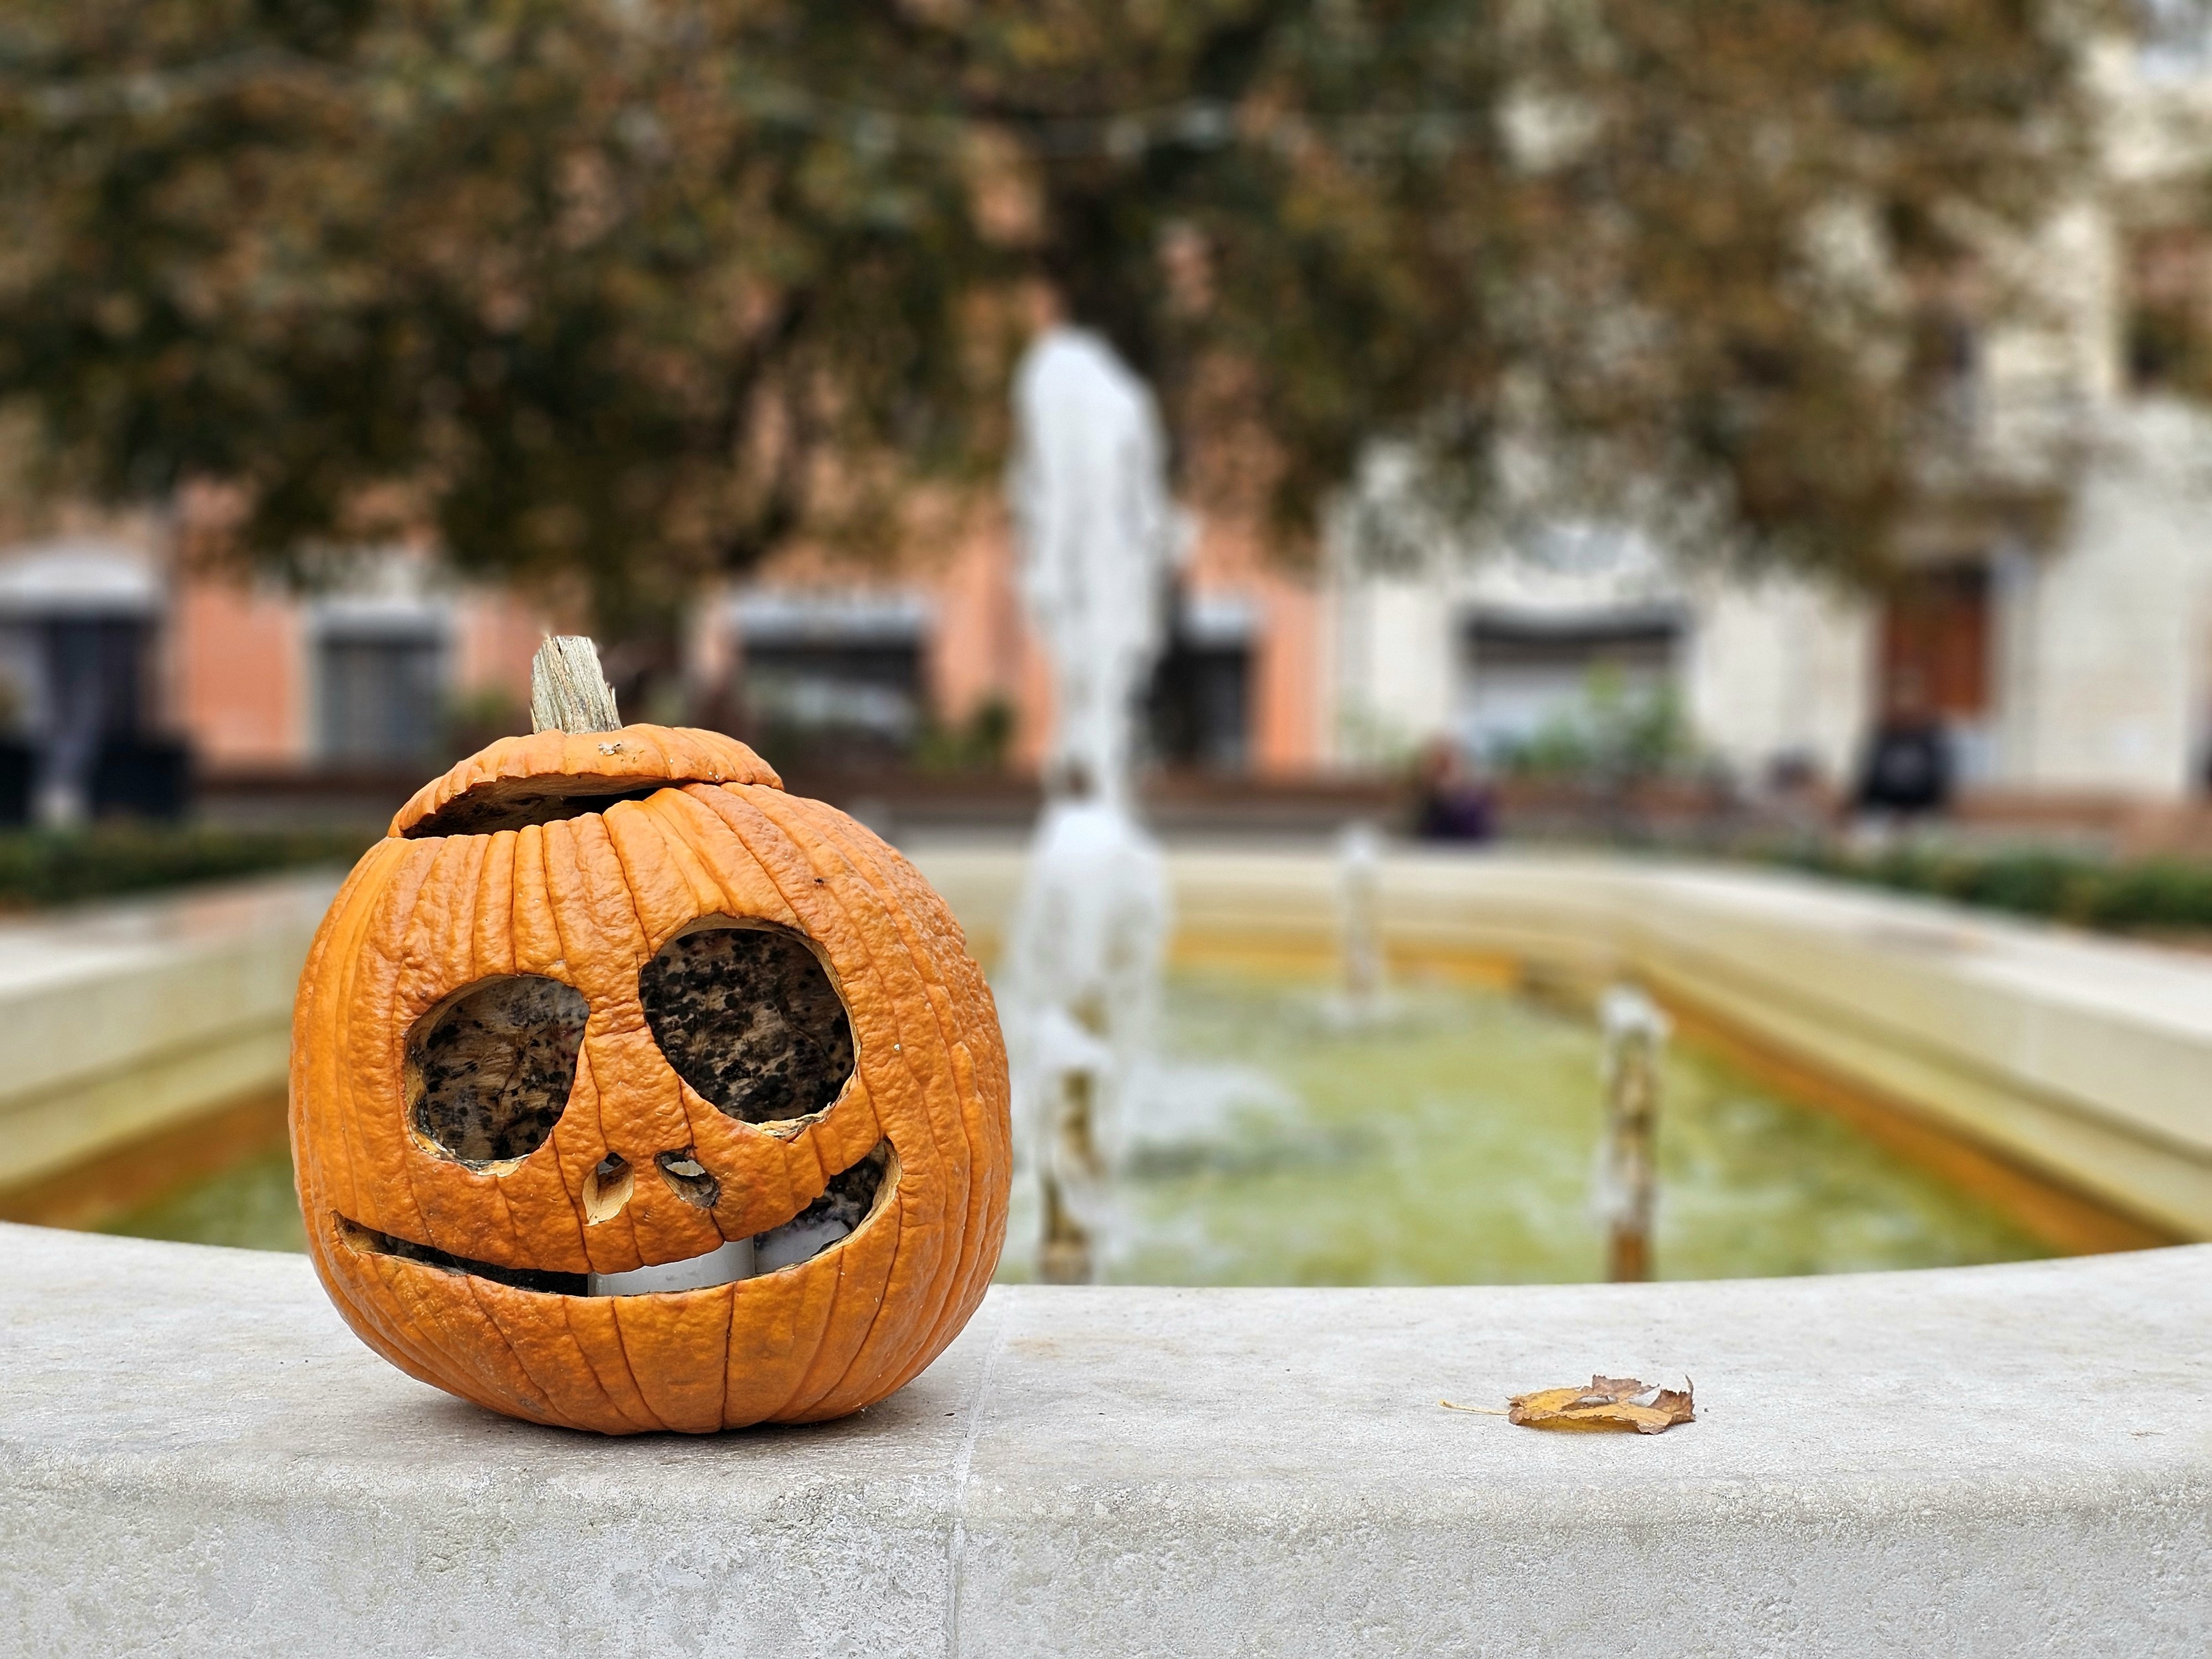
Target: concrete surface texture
(2003,1461)
(2085,1058)
(142,1012)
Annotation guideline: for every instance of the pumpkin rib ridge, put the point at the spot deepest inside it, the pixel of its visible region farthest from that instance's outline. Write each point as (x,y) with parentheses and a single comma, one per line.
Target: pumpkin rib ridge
(748,1143)
(864,1279)
(733,800)
(932,1271)
(807,1348)
(364,1312)
(448,1296)
(584,1397)
(554,907)
(571,1191)
(884,868)
(662,1321)
(585,1066)
(489,1299)
(892,952)
(633,831)
(496,1185)
(871,861)
(882,954)
(390,944)
(569,884)
(381,1293)
(341,921)
(509,889)
(998,1195)
(630,1368)
(591,845)
(879,864)
(693,812)
(814,1308)
(639,1415)
(352,968)
(666,815)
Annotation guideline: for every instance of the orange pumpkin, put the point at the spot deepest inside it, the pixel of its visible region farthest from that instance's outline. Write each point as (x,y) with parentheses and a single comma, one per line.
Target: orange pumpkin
(630,1092)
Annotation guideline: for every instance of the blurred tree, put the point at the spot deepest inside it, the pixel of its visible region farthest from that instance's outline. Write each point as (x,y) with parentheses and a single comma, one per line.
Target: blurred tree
(624,292)
(522,272)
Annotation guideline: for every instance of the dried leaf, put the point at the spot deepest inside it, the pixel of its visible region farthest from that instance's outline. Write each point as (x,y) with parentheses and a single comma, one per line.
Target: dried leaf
(1609,1403)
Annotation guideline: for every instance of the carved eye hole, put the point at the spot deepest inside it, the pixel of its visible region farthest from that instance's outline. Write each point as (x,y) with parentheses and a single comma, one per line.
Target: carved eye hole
(489,1069)
(747,1016)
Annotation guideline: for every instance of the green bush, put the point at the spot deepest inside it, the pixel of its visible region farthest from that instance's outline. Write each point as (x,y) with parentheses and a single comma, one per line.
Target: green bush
(2147,895)
(41,867)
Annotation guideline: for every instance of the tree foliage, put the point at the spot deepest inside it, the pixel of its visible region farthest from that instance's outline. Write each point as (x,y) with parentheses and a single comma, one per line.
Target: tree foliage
(629,291)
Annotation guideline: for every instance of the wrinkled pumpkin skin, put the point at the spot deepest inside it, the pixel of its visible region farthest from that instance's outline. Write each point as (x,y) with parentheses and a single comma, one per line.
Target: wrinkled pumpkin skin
(587,900)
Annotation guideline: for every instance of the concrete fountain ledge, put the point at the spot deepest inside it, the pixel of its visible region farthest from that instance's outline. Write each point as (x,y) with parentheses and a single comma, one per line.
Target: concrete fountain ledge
(2016,1460)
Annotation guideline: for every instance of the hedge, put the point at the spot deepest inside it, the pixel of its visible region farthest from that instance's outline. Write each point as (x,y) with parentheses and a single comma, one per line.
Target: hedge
(2150,894)
(42,868)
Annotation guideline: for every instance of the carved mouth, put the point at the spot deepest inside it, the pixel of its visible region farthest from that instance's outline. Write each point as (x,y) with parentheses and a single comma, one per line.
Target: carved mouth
(850,1198)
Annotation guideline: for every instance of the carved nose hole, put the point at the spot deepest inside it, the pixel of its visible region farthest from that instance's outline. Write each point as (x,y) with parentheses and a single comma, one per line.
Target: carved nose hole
(688,1178)
(607,1188)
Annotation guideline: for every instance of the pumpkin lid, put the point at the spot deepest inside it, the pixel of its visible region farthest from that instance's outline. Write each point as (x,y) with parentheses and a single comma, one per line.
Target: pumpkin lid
(554,774)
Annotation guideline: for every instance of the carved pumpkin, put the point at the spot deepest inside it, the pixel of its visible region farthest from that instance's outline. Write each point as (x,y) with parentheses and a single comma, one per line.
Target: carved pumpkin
(630,1092)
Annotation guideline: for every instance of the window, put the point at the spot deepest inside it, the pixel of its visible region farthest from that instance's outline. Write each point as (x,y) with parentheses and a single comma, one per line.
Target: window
(2167,315)
(832,676)
(846,698)
(382,696)
(2175,38)
(1198,708)
(1526,675)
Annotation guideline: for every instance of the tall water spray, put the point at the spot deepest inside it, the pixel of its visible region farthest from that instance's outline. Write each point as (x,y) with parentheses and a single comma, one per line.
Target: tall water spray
(1095,532)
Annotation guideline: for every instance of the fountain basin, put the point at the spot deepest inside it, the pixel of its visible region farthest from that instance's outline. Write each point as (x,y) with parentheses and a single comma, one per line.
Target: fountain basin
(2075,1059)
(1998,1459)
(139,1014)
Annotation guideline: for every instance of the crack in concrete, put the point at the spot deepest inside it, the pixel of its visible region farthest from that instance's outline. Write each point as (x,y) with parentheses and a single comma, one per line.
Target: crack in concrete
(956,1546)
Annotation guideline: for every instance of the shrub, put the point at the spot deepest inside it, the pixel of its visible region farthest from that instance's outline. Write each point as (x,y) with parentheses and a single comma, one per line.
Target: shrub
(40,867)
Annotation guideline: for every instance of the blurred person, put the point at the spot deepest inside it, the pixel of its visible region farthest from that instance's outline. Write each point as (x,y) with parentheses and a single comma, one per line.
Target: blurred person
(1908,768)
(1452,801)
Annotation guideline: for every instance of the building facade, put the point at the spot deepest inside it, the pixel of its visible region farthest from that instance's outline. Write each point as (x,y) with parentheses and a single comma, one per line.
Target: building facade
(2073,659)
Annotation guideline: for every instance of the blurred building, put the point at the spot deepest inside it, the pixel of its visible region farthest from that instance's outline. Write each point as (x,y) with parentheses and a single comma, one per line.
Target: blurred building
(929,656)
(126,681)
(2055,621)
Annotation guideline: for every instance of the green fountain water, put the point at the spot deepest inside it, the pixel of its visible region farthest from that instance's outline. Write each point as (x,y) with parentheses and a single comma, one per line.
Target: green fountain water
(1454,1144)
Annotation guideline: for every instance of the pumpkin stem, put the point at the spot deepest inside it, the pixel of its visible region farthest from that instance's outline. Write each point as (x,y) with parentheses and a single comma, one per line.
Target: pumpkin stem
(567,692)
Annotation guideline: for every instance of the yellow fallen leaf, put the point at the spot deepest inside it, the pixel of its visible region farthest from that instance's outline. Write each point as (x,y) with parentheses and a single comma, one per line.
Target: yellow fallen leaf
(1609,1403)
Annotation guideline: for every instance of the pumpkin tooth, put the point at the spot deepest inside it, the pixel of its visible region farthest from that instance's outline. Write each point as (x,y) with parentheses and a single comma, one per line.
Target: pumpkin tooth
(726,1263)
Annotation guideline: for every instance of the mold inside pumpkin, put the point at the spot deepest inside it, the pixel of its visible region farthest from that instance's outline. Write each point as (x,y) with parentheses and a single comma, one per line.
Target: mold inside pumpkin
(630,1092)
